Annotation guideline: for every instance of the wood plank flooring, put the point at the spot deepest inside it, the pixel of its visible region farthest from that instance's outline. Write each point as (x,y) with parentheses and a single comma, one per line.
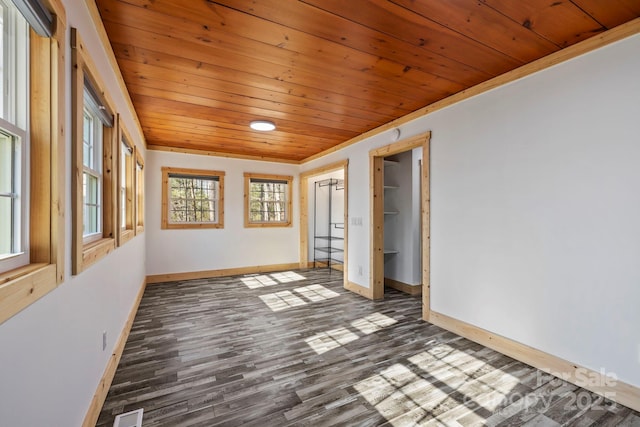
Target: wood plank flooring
(295,349)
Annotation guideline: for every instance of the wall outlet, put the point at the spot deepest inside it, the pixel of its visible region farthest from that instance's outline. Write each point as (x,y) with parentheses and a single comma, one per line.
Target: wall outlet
(104,340)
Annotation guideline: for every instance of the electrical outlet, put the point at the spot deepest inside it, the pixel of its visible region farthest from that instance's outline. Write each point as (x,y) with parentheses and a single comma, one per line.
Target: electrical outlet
(104,340)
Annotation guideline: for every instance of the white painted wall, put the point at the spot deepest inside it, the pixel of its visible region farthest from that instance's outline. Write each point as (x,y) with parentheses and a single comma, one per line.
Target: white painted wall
(176,251)
(534,209)
(534,232)
(51,356)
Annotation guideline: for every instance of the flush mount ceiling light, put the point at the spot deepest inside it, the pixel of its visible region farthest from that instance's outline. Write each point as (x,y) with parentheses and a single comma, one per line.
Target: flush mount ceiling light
(262,125)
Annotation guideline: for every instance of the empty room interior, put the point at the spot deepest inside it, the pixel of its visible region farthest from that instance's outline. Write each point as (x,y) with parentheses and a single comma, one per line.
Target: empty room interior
(320,213)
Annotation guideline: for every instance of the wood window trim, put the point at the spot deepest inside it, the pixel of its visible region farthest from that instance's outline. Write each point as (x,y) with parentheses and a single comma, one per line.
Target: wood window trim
(84,254)
(247,182)
(126,231)
(166,171)
(139,192)
(23,286)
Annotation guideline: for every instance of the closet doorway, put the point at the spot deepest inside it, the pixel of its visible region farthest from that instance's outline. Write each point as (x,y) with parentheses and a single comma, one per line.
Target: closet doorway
(323,231)
(391,159)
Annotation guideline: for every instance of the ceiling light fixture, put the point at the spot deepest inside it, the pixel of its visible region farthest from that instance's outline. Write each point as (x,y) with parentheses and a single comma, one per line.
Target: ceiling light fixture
(262,125)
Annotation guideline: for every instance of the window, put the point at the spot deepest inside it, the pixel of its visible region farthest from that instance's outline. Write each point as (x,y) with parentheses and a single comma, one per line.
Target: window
(125,188)
(94,192)
(139,193)
(91,169)
(192,198)
(267,200)
(14,138)
(32,151)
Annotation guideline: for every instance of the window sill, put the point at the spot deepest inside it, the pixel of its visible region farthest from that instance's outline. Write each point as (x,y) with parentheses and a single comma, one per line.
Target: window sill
(23,286)
(125,236)
(187,226)
(93,252)
(267,224)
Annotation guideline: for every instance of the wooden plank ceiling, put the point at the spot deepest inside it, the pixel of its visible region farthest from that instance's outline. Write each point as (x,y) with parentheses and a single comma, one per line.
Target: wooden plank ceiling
(323,71)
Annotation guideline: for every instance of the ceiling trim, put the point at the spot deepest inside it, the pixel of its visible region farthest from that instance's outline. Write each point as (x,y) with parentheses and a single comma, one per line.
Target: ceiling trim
(611,36)
(221,154)
(106,45)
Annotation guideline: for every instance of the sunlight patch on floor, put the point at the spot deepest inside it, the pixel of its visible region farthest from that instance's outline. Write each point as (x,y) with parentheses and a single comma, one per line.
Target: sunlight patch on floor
(287,277)
(279,301)
(329,340)
(260,281)
(316,293)
(401,396)
(438,386)
(372,323)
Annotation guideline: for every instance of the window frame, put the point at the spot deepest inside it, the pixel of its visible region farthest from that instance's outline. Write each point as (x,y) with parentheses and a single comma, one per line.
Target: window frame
(14,126)
(94,169)
(85,252)
(139,191)
(126,228)
(22,286)
(248,177)
(166,174)
(19,196)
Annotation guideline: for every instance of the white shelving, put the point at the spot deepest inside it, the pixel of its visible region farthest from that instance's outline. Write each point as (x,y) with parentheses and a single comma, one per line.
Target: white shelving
(390,211)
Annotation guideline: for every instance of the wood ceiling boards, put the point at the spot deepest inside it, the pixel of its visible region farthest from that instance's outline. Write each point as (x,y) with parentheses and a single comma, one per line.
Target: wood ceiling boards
(324,71)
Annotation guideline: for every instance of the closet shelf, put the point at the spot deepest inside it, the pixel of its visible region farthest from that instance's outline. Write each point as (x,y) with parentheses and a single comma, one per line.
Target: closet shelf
(391,187)
(390,251)
(391,162)
(330,237)
(328,249)
(391,212)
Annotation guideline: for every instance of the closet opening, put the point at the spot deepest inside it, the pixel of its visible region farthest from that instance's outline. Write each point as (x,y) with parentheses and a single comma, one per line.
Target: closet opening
(400,218)
(323,214)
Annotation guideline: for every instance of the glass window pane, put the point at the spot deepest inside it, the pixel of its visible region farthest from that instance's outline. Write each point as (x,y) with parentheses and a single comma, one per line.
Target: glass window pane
(3,13)
(193,199)
(6,163)
(6,219)
(267,201)
(87,141)
(91,192)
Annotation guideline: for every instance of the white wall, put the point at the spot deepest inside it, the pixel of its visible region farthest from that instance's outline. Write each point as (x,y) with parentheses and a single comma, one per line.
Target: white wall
(534,209)
(51,356)
(176,251)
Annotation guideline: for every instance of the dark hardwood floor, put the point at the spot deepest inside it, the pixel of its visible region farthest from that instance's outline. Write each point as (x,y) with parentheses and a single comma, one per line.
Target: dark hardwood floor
(295,349)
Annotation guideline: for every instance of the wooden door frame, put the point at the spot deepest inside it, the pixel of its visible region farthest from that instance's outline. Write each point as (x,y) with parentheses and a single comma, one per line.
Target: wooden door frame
(304,214)
(376,167)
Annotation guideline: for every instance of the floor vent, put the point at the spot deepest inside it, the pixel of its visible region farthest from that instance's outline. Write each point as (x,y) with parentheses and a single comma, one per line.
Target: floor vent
(130,419)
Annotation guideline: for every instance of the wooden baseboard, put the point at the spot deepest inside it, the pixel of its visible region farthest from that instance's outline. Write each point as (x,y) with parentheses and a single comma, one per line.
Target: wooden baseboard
(403,287)
(174,277)
(597,382)
(100,395)
(360,290)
